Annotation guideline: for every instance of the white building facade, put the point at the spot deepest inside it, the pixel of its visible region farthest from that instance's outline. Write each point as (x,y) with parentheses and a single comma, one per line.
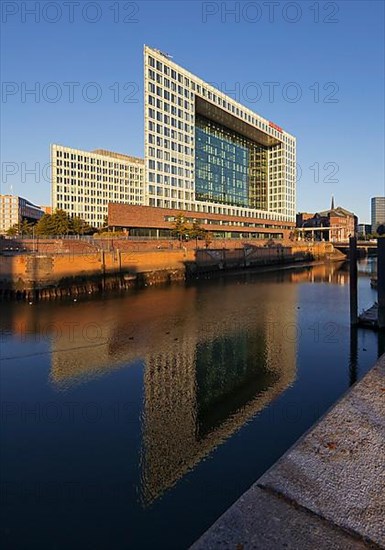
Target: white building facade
(205,152)
(14,210)
(83,182)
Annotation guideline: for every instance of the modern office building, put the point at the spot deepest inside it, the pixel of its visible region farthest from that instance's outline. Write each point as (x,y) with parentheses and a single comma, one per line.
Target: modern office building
(364,229)
(206,155)
(14,209)
(206,152)
(83,183)
(210,157)
(378,212)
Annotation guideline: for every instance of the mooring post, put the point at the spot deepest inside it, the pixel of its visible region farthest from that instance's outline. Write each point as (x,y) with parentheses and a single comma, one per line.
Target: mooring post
(119,254)
(353,356)
(353,280)
(381,281)
(103,262)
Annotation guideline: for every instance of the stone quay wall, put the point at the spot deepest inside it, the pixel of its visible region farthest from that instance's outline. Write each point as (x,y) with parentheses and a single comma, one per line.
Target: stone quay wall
(36,275)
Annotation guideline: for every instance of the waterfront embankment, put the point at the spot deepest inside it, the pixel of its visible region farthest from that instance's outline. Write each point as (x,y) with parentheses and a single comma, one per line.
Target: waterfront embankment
(72,272)
(327,491)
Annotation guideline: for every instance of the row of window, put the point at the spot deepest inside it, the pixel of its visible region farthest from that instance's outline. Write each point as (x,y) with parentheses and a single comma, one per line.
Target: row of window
(111,184)
(161,154)
(85,214)
(91,160)
(167,83)
(215,209)
(111,169)
(178,83)
(116,196)
(234,223)
(90,179)
(179,110)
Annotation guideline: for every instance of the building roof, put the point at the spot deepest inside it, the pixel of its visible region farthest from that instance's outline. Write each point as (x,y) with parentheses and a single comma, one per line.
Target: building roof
(339,211)
(121,156)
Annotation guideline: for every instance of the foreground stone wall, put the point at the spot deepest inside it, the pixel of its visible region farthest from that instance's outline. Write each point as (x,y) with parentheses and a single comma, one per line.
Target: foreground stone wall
(326,492)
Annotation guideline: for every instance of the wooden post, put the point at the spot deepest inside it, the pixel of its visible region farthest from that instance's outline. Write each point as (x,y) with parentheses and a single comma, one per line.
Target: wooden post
(121,279)
(381,281)
(353,280)
(102,258)
(353,357)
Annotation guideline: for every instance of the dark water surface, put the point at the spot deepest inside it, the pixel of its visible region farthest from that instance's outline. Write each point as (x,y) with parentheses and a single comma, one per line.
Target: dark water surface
(134,421)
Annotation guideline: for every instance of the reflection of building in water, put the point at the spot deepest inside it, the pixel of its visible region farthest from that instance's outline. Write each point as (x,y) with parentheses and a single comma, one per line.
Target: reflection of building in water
(124,331)
(214,356)
(335,273)
(89,339)
(223,374)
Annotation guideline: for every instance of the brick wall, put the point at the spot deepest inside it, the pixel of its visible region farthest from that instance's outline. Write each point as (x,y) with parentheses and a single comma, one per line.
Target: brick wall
(39,271)
(30,271)
(124,215)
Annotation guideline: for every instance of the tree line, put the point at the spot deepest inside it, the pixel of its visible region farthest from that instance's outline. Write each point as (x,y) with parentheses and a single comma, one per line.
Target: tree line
(57,223)
(61,223)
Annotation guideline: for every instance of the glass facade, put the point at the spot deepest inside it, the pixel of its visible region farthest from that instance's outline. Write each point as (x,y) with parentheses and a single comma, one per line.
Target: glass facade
(229,168)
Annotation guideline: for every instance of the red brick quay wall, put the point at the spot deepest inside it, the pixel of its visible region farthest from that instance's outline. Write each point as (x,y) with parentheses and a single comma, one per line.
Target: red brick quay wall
(84,245)
(38,275)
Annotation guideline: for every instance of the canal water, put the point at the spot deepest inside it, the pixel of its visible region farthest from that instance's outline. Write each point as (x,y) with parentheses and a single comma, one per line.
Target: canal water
(135,420)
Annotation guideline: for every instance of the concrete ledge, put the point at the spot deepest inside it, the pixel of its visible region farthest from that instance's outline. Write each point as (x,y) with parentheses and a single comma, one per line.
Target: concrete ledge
(264,521)
(328,491)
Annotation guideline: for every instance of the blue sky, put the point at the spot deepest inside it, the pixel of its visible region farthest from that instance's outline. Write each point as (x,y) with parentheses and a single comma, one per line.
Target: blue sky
(314,68)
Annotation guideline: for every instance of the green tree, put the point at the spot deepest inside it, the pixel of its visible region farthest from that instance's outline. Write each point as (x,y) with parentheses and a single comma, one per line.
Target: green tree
(44,226)
(13,231)
(185,230)
(196,231)
(208,239)
(181,227)
(78,226)
(26,228)
(61,222)
(23,229)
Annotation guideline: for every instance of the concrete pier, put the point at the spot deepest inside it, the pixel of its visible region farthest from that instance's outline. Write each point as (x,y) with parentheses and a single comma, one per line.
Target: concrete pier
(327,491)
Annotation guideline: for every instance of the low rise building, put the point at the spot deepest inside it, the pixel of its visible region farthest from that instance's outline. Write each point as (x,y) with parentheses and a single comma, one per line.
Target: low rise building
(303,217)
(364,229)
(83,183)
(336,224)
(14,210)
(148,221)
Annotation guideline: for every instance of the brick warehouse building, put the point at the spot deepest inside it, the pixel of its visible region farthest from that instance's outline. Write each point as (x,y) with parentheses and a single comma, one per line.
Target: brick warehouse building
(336,224)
